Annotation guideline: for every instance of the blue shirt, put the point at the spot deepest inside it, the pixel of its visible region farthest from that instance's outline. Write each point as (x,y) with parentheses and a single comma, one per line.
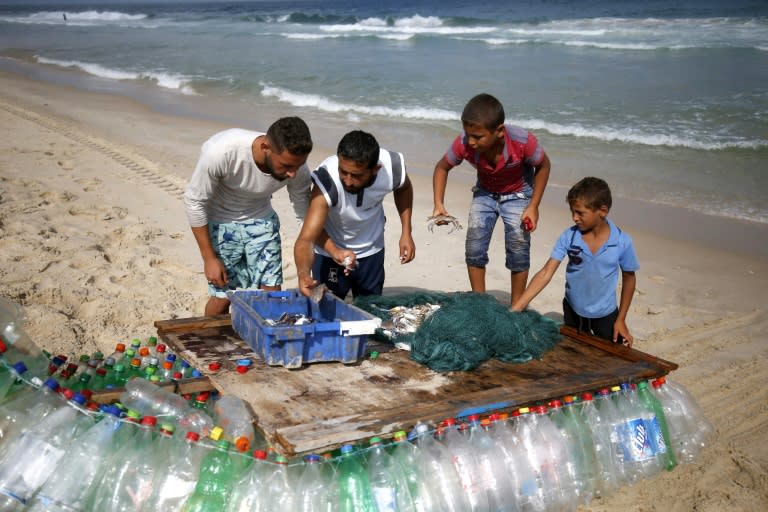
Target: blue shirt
(591,279)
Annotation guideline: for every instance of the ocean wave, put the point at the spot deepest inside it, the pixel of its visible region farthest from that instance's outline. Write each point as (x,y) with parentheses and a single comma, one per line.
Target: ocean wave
(75,18)
(162,79)
(298,99)
(618,134)
(315,36)
(416,24)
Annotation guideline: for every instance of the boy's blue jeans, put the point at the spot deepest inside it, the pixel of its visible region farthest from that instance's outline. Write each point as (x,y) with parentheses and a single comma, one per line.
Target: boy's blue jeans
(485,210)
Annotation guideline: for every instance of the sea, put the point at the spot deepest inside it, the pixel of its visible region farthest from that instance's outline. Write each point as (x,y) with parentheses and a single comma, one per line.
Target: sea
(667,101)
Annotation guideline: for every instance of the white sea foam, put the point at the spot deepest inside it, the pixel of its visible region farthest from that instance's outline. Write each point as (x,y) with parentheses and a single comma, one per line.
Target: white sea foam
(324,104)
(162,79)
(75,18)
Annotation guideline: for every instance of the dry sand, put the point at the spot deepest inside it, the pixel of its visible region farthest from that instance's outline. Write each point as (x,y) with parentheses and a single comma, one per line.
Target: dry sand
(96,247)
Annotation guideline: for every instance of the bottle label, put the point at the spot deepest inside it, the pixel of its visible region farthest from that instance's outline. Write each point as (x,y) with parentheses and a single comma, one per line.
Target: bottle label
(658,435)
(385,498)
(638,445)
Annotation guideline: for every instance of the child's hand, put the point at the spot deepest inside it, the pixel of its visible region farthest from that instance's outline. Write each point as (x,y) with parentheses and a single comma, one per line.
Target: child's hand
(621,333)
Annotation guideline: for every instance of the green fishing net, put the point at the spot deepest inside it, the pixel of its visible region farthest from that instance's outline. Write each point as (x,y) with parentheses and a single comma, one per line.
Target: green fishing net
(466,330)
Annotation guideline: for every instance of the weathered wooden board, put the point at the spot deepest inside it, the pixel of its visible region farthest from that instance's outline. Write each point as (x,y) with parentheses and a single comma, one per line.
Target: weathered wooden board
(323,405)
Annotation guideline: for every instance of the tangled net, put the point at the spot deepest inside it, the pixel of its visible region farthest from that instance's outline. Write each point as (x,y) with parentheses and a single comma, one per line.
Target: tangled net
(467,330)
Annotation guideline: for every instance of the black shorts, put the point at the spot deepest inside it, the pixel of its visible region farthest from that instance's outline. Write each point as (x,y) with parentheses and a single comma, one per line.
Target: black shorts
(366,279)
(600,327)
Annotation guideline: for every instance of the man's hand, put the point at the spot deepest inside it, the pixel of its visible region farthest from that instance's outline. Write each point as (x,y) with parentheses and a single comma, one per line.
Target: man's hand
(306,284)
(345,258)
(620,329)
(407,249)
(215,272)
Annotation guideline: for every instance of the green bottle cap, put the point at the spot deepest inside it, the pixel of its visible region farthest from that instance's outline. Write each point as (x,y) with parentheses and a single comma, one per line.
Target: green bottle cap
(151,341)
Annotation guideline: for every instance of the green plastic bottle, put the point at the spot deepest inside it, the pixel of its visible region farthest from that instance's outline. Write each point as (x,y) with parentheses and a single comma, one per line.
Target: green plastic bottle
(216,475)
(353,486)
(651,402)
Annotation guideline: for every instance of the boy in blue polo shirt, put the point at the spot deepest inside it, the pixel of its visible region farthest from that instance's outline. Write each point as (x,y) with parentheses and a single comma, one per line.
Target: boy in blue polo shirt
(596,250)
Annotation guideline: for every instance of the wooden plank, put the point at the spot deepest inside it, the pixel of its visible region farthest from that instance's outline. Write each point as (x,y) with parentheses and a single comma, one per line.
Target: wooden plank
(183,387)
(323,405)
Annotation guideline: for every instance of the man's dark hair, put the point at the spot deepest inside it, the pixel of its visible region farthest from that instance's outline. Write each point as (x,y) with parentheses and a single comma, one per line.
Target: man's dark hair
(593,192)
(290,133)
(483,110)
(360,147)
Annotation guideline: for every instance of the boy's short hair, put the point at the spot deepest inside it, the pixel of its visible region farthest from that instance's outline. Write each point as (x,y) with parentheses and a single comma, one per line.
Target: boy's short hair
(360,147)
(483,110)
(593,192)
(290,133)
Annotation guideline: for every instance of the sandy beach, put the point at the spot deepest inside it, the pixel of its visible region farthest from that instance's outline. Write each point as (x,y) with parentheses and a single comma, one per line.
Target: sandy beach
(96,247)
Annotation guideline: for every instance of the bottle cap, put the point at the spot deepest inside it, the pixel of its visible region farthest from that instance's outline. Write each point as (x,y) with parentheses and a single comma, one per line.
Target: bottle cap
(524,410)
(281,459)
(216,433)
(243,444)
(192,436)
(135,342)
(374,441)
(555,404)
(347,448)
(222,444)
(3,346)
(586,396)
(152,341)
(214,366)
(98,355)
(120,347)
(167,427)
(149,421)
(400,435)
(84,358)
(242,369)
(260,454)
(144,351)
(642,385)
(312,458)
(160,348)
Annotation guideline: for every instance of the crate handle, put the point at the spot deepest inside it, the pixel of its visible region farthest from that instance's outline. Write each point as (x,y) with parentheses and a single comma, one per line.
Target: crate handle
(359,327)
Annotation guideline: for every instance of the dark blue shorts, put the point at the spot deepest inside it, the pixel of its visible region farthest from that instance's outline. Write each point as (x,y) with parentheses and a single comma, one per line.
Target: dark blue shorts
(366,279)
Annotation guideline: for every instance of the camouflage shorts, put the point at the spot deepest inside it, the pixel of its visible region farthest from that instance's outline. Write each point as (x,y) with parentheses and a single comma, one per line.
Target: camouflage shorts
(250,252)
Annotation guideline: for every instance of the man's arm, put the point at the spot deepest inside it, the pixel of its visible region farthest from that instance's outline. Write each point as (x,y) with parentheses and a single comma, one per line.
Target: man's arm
(540,179)
(214,269)
(537,284)
(311,232)
(299,192)
(628,282)
(404,204)
(439,183)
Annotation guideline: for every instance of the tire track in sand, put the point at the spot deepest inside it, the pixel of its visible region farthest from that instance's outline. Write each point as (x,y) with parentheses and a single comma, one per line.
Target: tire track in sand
(146,171)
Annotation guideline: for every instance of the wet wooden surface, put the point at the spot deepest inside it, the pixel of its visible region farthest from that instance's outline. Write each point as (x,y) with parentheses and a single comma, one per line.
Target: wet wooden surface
(323,405)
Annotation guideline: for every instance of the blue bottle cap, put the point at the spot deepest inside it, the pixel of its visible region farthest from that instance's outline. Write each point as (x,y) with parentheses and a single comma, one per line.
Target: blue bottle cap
(20,367)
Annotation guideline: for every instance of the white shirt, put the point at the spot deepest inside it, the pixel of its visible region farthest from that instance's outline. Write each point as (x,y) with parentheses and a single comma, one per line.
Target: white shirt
(356,221)
(228,186)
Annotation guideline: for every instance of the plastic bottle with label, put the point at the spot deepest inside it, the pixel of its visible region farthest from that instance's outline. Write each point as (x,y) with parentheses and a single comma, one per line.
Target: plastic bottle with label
(640,452)
(660,427)
(34,455)
(389,488)
(76,476)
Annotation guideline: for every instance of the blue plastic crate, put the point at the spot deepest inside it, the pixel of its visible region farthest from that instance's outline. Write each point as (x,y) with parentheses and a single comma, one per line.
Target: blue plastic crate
(339,331)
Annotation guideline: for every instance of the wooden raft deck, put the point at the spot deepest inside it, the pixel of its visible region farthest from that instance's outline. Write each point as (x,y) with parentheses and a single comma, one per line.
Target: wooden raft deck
(324,405)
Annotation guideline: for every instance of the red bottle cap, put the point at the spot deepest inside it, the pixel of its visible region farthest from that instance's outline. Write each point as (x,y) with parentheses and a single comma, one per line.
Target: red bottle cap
(214,366)
(242,369)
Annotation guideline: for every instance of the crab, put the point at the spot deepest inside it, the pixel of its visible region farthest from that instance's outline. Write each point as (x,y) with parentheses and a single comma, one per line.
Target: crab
(442,220)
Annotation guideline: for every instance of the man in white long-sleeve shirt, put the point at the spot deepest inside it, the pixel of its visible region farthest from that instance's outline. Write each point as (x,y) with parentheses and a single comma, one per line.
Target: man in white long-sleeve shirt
(228,204)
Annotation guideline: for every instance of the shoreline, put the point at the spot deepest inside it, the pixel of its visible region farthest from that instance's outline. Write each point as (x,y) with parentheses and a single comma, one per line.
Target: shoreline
(97,248)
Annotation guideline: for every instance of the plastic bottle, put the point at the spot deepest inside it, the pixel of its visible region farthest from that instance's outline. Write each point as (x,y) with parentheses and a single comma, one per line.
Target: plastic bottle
(248,493)
(702,428)
(118,354)
(547,492)
(78,472)
(658,425)
(112,492)
(215,481)
(556,460)
(280,494)
(607,476)
(408,459)
(445,490)
(519,469)
(27,408)
(466,465)
(231,413)
(493,474)
(35,454)
(19,346)
(389,488)
(580,461)
(174,484)
(312,492)
(8,377)
(353,486)
(639,450)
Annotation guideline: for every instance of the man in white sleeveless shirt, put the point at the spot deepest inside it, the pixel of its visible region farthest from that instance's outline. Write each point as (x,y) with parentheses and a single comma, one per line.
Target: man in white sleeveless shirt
(341,243)
(228,204)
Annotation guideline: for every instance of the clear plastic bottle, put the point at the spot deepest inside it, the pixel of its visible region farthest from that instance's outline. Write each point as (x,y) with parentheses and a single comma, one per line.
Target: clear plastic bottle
(215,481)
(27,408)
(118,354)
(280,493)
(607,476)
(8,377)
(249,493)
(640,452)
(547,493)
(437,465)
(389,488)
(80,468)
(231,413)
(35,454)
(581,453)
(175,483)
(519,469)
(494,476)
(408,458)
(556,460)
(112,492)
(702,428)
(466,464)
(312,493)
